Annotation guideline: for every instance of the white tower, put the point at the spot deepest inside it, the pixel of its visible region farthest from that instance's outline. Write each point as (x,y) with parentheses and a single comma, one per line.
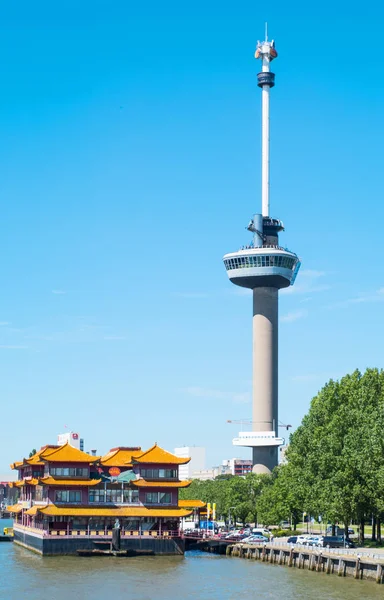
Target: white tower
(264,267)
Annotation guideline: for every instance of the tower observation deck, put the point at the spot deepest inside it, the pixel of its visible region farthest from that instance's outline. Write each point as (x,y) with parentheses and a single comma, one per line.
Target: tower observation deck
(264,267)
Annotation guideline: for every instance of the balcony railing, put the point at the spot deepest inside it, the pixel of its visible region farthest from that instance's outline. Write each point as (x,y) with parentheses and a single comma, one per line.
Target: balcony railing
(95,533)
(274,246)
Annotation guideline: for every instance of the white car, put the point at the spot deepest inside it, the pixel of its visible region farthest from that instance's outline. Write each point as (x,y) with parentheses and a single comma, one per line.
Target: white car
(261,531)
(255,539)
(313,540)
(302,539)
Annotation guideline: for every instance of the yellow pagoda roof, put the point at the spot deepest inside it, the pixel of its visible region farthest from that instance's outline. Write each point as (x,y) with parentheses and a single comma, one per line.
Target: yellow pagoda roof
(23,482)
(15,508)
(32,511)
(69,482)
(17,464)
(120,457)
(192,504)
(31,481)
(90,511)
(67,453)
(167,484)
(35,459)
(160,456)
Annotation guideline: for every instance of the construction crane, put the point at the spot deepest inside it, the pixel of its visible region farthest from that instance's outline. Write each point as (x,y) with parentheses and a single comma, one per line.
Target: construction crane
(249,422)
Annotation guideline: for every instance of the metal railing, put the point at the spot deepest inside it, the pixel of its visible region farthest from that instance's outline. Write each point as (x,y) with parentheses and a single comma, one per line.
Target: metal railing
(273,246)
(96,533)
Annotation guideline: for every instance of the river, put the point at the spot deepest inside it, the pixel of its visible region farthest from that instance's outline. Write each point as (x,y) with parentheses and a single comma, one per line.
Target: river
(197,576)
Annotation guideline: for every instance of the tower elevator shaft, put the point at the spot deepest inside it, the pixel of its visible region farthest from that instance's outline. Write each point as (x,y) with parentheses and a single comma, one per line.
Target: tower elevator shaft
(265,373)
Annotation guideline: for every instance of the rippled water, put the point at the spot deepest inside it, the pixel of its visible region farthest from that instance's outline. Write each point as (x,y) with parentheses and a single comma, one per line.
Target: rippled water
(196,576)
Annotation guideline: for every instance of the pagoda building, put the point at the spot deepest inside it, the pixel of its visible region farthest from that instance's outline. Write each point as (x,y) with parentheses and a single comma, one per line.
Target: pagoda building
(70,500)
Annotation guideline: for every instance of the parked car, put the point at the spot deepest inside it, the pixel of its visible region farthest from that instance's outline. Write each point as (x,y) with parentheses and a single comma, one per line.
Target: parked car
(336,541)
(258,539)
(235,536)
(285,525)
(292,539)
(261,531)
(313,540)
(302,539)
(351,531)
(255,539)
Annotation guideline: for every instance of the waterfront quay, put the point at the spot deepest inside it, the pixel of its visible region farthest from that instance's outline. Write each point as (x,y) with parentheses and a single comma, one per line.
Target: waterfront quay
(341,562)
(127,501)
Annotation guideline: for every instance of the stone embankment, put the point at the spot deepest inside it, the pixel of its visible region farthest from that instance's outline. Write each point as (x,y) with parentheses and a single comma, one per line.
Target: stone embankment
(339,562)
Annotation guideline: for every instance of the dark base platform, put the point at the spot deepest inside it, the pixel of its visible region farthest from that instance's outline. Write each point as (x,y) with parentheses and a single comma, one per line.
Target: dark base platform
(57,545)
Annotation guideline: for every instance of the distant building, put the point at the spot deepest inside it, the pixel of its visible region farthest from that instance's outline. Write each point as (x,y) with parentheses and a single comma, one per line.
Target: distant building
(237,466)
(72,438)
(206,474)
(197,463)
(231,466)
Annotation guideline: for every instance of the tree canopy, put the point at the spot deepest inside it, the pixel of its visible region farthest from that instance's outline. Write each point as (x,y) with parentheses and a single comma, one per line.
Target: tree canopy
(334,468)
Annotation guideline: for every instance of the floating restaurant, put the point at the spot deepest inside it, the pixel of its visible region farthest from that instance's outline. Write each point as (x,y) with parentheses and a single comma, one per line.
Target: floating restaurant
(71,501)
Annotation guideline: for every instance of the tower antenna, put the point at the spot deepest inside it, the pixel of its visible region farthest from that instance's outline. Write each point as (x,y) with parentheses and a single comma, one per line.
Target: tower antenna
(266,31)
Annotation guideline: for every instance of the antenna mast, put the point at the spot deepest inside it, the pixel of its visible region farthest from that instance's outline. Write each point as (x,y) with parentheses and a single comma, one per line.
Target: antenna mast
(266,79)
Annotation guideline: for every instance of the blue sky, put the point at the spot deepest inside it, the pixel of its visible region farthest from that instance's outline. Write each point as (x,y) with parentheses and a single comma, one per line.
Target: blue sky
(130,163)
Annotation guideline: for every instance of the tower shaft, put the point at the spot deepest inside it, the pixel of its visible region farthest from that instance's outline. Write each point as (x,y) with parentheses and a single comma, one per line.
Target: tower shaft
(265,372)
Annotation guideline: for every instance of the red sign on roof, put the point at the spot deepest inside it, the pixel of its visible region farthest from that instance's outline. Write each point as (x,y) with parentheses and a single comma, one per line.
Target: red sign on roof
(114,471)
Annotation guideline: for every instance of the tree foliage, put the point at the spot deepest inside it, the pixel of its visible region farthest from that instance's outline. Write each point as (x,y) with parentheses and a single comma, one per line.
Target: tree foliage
(335,458)
(335,463)
(234,496)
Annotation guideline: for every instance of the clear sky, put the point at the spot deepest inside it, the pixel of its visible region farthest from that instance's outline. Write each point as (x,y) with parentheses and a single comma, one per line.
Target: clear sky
(130,163)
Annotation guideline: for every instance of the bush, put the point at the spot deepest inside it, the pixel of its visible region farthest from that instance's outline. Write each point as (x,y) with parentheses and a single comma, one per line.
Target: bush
(285,533)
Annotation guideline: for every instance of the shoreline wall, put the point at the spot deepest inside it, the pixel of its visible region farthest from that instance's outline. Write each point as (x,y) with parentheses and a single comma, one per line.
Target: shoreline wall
(321,561)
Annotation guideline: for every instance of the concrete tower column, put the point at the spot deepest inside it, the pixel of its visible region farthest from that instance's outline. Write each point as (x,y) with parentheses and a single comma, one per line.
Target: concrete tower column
(265,373)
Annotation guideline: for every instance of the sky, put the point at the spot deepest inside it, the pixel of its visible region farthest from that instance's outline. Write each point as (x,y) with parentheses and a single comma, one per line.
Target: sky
(130,164)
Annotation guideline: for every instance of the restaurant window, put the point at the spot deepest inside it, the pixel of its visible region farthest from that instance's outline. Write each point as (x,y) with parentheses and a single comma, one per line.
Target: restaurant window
(96,495)
(168,473)
(131,496)
(151,497)
(113,495)
(67,496)
(69,472)
(159,473)
(165,498)
(158,498)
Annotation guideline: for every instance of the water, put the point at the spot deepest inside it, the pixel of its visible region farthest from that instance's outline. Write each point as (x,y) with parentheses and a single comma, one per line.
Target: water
(196,576)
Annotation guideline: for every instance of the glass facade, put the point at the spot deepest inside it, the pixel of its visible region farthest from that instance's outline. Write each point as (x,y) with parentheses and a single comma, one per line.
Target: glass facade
(158,498)
(243,262)
(159,473)
(115,496)
(67,496)
(68,472)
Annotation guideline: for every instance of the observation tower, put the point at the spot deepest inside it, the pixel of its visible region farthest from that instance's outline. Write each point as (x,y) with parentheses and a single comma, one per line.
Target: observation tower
(264,267)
